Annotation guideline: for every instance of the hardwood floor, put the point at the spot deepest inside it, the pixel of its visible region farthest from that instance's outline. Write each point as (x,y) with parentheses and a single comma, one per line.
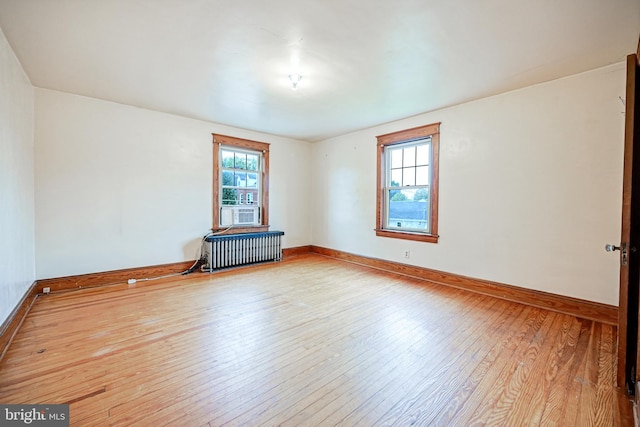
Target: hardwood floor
(310,341)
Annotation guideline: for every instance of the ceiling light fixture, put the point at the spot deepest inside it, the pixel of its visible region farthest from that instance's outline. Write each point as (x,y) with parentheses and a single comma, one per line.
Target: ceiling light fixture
(295,79)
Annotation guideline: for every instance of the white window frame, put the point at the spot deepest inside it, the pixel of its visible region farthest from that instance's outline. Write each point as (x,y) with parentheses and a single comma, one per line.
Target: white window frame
(388,188)
(222,168)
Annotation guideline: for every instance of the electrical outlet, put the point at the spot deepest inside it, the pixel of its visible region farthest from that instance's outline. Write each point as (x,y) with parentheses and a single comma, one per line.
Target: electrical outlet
(46,290)
(407,254)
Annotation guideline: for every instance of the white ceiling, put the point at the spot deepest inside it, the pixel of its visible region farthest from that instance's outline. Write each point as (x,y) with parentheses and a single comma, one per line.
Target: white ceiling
(363,62)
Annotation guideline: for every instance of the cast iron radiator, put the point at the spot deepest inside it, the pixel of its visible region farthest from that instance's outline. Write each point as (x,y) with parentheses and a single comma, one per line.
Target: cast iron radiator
(231,250)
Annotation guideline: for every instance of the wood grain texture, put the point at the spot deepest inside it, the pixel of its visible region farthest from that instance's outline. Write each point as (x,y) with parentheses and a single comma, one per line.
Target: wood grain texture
(399,137)
(298,250)
(408,134)
(406,235)
(263,148)
(106,278)
(310,341)
(576,307)
(628,301)
(12,323)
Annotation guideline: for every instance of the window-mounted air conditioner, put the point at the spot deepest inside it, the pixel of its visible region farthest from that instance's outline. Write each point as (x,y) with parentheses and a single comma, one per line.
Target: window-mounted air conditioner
(239,215)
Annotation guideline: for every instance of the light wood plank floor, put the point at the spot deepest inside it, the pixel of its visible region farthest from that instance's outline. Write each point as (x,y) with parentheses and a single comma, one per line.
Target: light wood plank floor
(310,341)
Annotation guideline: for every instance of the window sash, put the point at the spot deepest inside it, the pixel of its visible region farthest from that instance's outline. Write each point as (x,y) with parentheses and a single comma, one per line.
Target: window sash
(421,225)
(226,190)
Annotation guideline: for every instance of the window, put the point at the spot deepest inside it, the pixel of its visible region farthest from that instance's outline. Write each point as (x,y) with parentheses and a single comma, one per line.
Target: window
(240,171)
(407,193)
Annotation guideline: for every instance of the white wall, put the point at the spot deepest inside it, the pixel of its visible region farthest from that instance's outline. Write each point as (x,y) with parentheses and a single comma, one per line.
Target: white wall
(119,186)
(530,188)
(17,268)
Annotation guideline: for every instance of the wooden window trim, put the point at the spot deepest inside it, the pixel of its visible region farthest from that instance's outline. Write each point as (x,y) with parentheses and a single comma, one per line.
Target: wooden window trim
(401,137)
(263,147)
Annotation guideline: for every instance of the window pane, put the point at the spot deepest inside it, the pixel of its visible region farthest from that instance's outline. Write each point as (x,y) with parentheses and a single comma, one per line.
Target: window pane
(229,196)
(423,154)
(408,176)
(396,158)
(421,195)
(227,159)
(407,212)
(422,175)
(252,180)
(252,162)
(396,177)
(227,178)
(241,179)
(409,157)
(241,161)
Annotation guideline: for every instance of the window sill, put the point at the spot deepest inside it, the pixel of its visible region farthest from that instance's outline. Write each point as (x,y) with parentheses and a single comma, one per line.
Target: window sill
(407,235)
(238,230)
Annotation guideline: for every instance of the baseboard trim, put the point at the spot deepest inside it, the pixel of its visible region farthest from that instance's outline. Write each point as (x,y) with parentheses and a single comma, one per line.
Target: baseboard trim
(298,250)
(11,325)
(113,277)
(121,276)
(603,313)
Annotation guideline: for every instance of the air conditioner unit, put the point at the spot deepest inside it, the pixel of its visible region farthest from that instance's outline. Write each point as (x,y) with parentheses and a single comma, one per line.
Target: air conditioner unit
(239,215)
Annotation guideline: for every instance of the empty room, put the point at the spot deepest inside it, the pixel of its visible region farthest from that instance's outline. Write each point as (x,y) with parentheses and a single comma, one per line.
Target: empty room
(319,213)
